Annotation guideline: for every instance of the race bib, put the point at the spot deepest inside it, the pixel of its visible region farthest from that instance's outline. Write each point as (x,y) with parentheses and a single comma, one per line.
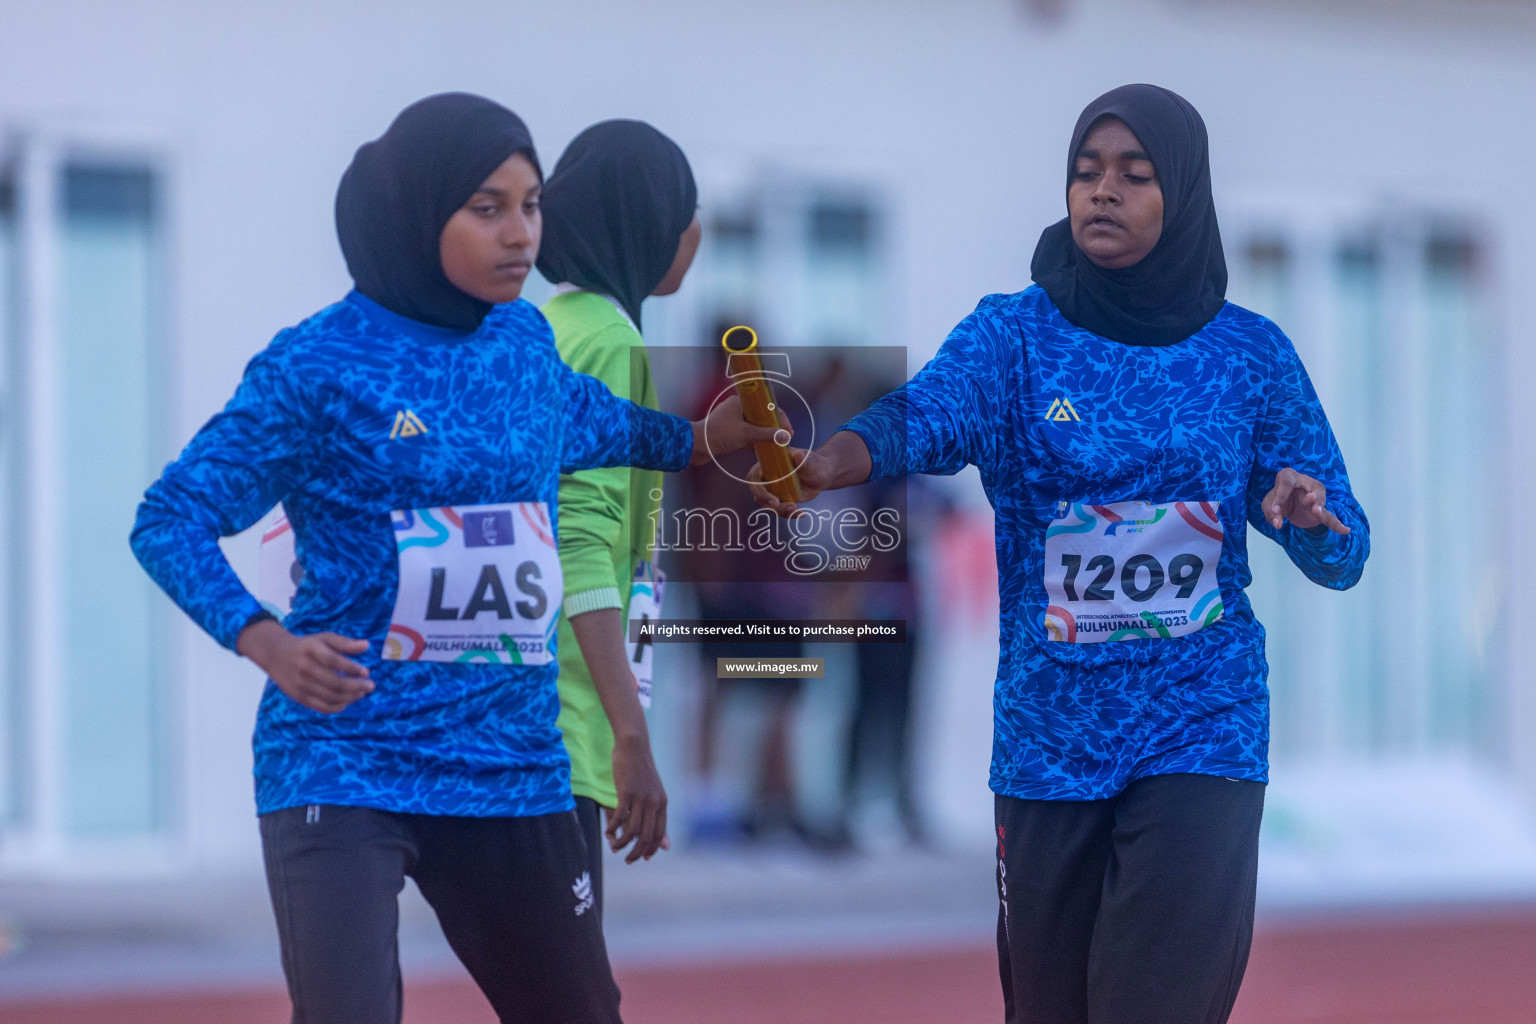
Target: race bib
(644,606)
(478,583)
(278,571)
(1131,570)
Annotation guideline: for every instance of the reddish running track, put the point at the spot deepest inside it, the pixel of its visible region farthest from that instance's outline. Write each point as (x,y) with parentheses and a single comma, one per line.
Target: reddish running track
(1462,969)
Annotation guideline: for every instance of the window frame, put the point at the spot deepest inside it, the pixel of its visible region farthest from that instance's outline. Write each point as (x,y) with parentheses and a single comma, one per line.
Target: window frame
(34,837)
(1313,228)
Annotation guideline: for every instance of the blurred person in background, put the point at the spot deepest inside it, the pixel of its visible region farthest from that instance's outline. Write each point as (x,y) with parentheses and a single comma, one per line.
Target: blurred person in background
(877,782)
(620,224)
(430,404)
(873,806)
(1127,422)
(743,788)
(820,762)
(777,763)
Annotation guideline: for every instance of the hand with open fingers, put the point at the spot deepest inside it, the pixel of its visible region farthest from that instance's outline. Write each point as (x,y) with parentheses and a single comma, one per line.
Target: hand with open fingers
(312,670)
(641,815)
(812,469)
(1300,500)
(727,430)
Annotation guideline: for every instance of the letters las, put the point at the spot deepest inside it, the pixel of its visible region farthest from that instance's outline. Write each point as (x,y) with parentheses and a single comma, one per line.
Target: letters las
(489,594)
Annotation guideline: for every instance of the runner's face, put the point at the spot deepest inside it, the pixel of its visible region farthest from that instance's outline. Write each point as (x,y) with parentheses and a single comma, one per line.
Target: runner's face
(687,246)
(1114,201)
(488,246)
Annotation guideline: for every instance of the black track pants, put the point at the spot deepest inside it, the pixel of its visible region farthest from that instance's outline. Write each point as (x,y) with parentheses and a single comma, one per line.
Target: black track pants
(512,894)
(590,813)
(1137,909)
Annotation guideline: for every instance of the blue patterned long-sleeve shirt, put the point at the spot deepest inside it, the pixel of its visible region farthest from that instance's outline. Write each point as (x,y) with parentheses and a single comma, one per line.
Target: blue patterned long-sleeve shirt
(352,419)
(1122,479)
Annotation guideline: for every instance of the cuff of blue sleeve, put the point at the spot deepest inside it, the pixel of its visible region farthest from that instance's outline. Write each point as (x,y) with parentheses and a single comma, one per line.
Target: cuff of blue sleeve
(592,601)
(249,611)
(876,470)
(1318,538)
(685,429)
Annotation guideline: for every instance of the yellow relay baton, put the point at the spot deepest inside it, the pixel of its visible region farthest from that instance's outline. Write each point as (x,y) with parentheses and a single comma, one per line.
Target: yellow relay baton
(755,389)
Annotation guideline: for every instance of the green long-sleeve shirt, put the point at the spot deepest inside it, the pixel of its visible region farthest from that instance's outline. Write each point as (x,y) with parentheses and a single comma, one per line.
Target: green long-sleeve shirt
(607,521)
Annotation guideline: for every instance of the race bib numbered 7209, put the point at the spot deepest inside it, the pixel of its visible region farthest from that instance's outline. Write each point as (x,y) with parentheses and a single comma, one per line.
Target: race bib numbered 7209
(1132,570)
(478,583)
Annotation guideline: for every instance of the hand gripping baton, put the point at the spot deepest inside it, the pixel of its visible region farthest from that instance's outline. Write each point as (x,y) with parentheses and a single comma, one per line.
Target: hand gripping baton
(744,366)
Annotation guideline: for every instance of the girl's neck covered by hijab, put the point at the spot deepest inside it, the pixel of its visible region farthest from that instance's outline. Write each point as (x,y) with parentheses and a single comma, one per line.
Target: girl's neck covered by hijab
(615,207)
(402,188)
(1182,283)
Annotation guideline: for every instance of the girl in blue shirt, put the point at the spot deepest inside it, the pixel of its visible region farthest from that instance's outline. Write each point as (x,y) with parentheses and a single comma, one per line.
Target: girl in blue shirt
(1129,424)
(415,433)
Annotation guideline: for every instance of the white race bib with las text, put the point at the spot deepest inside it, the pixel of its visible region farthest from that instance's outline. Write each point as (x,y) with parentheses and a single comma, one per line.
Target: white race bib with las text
(478,583)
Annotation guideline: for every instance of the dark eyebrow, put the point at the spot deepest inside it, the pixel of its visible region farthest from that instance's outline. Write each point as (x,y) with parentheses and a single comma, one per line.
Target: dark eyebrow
(501,193)
(1130,154)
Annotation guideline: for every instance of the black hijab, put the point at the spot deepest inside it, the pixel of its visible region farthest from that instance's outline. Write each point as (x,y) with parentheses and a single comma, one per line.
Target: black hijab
(614,208)
(402,188)
(1182,283)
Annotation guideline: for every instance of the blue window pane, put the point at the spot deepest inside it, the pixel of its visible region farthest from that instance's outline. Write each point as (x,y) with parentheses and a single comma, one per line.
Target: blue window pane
(841,225)
(113,193)
(1398,327)
(108,330)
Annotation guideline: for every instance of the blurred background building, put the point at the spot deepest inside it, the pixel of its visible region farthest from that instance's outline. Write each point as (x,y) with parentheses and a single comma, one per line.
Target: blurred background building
(868,169)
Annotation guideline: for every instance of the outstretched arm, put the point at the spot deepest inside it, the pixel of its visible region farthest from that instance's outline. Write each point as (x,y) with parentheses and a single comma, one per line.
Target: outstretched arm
(602,429)
(939,422)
